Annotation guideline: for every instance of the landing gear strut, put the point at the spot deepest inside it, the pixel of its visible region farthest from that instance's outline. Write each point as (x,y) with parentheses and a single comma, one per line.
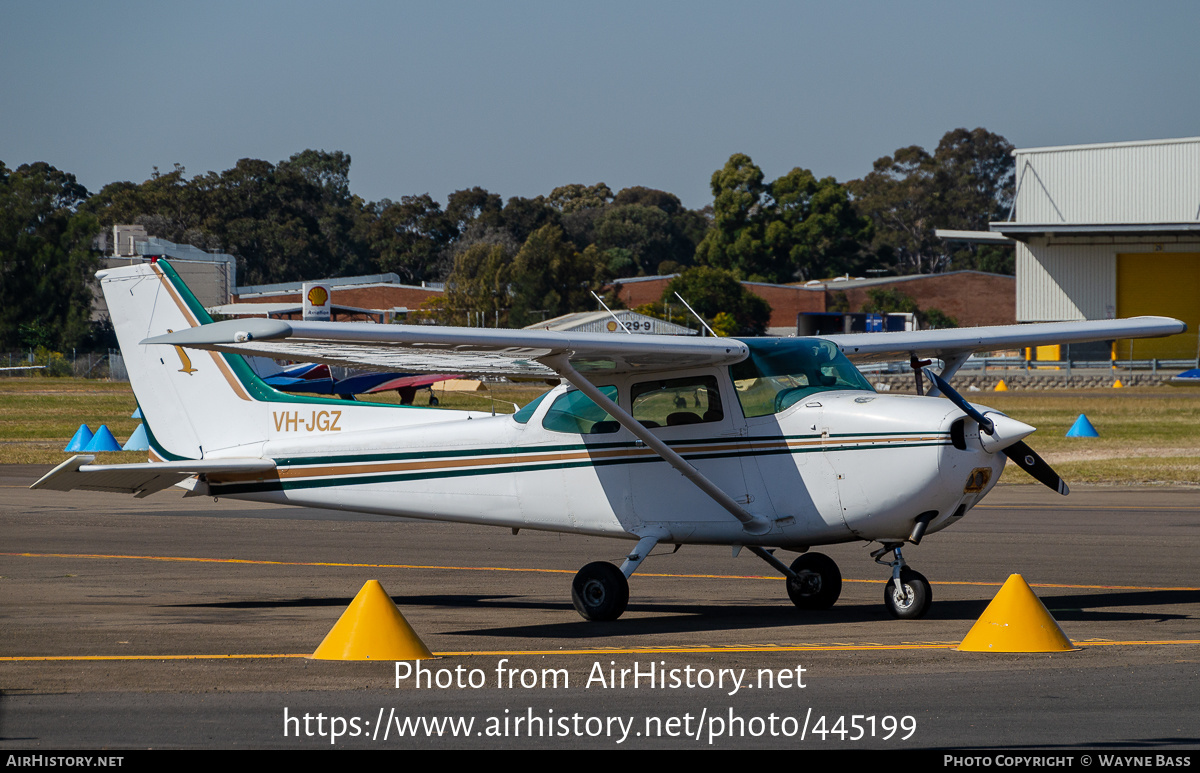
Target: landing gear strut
(907,595)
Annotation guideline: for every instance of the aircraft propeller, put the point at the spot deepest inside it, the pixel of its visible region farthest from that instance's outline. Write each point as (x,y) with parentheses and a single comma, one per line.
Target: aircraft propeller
(1001,438)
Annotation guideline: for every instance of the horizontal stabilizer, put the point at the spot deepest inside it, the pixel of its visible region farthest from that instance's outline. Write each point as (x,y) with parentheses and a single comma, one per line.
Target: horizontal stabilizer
(79,474)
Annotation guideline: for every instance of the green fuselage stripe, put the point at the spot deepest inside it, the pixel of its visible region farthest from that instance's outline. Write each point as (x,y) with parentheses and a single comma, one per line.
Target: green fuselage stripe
(500,466)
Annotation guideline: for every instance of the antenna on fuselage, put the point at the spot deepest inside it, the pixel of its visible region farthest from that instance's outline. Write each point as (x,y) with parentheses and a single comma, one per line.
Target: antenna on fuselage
(697,316)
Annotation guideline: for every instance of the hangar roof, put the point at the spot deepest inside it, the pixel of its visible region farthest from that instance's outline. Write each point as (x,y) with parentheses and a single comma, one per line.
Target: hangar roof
(1106,145)
(1025,231)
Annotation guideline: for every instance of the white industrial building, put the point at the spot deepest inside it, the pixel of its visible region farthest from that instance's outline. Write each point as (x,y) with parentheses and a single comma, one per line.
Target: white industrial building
(616,321)
(210,276)
(1110,230)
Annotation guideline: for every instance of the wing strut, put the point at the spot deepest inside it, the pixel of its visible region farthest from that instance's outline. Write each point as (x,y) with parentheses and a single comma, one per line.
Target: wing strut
(751,524)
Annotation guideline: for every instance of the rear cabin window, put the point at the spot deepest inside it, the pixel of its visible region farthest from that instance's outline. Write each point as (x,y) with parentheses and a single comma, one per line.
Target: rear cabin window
(677,401)
(576,414)
(782,371)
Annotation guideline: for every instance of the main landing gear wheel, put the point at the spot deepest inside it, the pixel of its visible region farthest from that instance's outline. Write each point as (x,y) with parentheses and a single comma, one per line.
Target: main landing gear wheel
(916,597)
(600,591)
(820,582)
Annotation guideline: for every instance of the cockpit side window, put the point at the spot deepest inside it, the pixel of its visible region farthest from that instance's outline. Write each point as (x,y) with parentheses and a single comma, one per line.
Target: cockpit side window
(780,372)
(576,414)
(677,401)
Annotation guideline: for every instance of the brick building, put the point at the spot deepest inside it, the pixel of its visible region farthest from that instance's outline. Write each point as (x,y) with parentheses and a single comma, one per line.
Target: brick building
(973,298)
(381,292)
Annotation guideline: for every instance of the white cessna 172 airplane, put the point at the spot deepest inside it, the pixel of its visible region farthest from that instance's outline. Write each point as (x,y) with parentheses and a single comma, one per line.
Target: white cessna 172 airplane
(771,443)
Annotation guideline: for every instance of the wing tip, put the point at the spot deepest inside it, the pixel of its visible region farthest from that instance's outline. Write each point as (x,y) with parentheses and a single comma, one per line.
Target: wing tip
(60,472)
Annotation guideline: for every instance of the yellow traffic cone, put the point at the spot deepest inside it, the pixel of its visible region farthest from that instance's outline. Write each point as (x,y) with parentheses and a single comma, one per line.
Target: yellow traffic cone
(1016,621)
(1001,386)
(1118,385)
(372,628)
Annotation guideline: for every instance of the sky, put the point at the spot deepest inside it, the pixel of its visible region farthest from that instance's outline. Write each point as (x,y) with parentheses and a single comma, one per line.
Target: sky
(522,97)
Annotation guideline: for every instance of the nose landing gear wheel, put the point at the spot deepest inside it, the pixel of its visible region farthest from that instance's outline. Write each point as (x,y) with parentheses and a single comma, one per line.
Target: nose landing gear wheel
(600,592)
(820,582)
(914,601)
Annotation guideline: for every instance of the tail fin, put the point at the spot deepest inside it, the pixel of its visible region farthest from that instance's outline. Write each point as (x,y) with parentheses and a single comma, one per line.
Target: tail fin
(198,403)
(194,403)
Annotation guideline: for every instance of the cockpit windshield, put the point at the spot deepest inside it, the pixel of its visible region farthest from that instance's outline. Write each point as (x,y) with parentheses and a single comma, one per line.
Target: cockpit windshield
(781,371)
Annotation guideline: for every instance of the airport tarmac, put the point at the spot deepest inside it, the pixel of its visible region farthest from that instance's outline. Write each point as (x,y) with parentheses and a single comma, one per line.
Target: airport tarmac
(169,622)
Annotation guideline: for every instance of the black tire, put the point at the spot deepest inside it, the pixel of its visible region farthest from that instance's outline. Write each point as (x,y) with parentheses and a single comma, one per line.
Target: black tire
(916,599)
(433,401)
(820,582)
(600,592)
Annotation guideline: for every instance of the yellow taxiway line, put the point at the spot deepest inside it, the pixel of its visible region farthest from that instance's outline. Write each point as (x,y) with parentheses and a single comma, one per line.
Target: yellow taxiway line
(192,559)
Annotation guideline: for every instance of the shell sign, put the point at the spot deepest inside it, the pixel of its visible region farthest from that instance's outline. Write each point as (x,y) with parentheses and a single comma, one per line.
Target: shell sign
(318,295)
(316,302)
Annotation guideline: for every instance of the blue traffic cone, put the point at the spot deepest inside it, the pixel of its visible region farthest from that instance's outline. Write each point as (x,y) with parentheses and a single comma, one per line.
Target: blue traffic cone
(1082,428)
(137,414)
(80,439)
(138,440)
(103,440)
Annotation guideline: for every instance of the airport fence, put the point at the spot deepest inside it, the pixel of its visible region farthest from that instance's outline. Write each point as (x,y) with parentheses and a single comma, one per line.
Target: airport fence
(109,365)
(1033,367)
(986,374)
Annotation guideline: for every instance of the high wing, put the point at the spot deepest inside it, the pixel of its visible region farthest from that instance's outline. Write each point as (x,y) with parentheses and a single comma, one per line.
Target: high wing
(475,351)
(524,353)
(141,480)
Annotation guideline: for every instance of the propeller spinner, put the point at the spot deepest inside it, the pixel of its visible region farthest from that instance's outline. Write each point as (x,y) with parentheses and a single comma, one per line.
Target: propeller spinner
(1004,435)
